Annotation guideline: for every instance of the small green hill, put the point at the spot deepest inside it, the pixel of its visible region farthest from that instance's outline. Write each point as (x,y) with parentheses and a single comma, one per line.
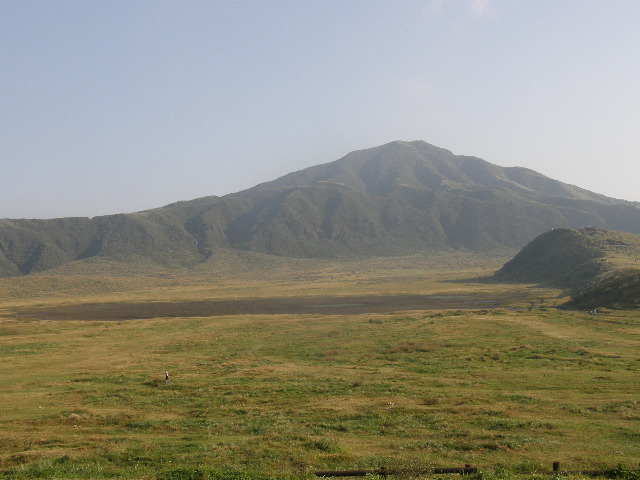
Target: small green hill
(597,266)
(561,258)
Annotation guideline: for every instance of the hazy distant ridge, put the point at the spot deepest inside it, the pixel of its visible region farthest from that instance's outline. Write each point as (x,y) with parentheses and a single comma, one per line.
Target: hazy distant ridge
(399,198)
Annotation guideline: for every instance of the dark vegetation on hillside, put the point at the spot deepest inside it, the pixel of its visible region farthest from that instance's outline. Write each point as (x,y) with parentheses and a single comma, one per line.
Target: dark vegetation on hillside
(396,199)
(619,289)
(597,267)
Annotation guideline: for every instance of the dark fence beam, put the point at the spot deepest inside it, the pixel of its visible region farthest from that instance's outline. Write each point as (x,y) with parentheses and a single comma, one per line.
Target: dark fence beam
(467,469)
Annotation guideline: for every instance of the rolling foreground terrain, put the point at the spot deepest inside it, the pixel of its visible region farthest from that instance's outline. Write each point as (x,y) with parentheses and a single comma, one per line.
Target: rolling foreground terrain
(402,198)
(403,362)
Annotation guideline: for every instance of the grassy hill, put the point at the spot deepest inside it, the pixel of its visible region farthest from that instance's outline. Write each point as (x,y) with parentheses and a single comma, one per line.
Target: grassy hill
(618,289)
(599,267)
(397,199)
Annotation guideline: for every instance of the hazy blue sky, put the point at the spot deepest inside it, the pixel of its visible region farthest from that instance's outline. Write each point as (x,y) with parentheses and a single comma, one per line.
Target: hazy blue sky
(116,106)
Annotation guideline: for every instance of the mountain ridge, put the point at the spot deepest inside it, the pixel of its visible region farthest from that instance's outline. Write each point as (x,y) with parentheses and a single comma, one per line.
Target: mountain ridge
(442,170)
(394,199)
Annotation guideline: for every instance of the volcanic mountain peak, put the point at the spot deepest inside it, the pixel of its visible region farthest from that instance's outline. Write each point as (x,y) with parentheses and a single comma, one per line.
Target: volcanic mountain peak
(395,199)
(421,165)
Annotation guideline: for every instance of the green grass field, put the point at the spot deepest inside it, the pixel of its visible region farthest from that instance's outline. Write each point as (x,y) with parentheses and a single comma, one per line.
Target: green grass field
(508,389)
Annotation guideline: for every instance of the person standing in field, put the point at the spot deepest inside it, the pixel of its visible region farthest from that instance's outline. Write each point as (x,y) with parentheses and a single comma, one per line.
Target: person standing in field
(167,379)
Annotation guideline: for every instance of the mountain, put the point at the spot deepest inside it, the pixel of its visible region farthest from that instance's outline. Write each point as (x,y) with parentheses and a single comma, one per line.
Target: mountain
(398,198)
(597,266)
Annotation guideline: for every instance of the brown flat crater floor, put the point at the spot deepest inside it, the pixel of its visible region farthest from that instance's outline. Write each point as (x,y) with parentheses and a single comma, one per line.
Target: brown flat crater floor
(269,306)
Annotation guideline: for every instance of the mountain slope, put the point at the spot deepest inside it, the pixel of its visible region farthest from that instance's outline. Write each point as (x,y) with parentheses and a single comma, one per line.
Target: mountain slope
(398,198)
(560,258)
(619,289)
(598,266)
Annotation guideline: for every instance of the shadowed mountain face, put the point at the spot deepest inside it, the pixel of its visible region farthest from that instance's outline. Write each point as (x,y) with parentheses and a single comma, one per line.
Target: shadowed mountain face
(399,198)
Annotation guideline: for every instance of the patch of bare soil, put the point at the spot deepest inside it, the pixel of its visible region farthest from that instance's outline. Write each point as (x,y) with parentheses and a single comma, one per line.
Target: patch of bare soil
(269,306)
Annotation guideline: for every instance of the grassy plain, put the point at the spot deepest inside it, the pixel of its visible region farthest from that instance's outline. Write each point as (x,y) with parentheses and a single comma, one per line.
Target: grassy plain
(281,396)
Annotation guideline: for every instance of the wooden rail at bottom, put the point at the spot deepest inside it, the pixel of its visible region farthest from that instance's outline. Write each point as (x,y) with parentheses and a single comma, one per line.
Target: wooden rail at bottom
(467,469)
(556,470)
(383,471)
